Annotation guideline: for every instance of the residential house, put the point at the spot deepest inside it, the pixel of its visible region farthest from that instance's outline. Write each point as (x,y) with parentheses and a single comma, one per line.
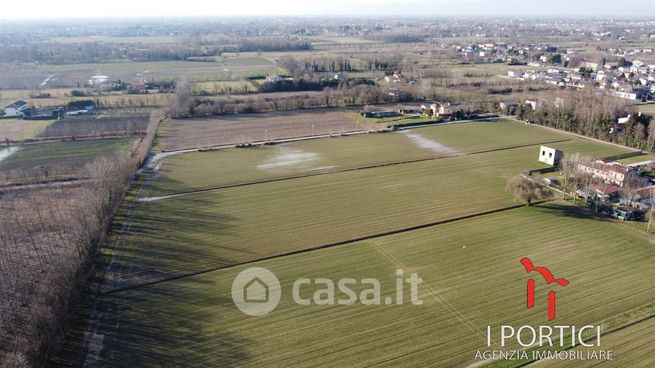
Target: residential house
(438,109)
(606,192)
(611,172)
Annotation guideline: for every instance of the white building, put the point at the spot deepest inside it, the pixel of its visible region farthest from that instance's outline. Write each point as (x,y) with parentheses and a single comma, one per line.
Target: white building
(550,156)
(15,109)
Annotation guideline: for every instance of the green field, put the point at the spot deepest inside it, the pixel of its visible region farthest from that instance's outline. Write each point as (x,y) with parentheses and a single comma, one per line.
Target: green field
(18,129)
(193,319)
(71,154)
(632,345)
(173,256)
(645,108)
(637,159)
(201,170)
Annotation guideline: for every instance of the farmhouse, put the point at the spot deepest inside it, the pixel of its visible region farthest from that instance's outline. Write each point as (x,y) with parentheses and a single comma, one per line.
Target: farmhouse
(16,109)
(550,156)
(438,109)
(611,172)
(606,192)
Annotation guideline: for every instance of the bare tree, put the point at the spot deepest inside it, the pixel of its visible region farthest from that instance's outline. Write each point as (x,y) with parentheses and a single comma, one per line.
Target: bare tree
(528,190)
(630,191)
(651,136)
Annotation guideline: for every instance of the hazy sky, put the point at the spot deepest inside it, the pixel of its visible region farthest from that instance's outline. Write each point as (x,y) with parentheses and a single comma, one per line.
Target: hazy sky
(149,8)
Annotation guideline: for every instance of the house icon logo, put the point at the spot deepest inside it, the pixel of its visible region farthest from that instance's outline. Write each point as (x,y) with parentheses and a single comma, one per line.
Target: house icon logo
(256,291)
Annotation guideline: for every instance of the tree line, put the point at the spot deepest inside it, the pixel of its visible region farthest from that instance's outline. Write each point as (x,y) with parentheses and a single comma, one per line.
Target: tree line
(346,94)
(49,238)
(593,115)
(327,64)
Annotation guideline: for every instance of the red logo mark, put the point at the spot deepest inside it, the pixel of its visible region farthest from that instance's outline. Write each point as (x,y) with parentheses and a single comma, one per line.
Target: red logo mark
(548,276)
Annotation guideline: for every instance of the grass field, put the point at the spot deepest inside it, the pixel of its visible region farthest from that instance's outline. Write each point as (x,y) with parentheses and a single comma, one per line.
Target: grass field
(256,221)
(193,319)
(645,108)
(637,159)
(18,129)
(173,256)
(58,158)
(632,346)
(190,171)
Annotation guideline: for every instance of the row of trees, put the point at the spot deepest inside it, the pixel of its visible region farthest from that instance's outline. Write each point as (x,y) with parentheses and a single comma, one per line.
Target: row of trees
(186,106)
(593,115)
(324,64)
(47,241)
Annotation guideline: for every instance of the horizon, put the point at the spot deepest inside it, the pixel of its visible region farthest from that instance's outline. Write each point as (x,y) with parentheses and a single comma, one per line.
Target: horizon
(78,9)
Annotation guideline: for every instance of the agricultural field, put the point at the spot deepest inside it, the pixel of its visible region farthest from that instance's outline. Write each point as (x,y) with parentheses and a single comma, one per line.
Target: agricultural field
(631,344)
(18,129)
(182,251)
(245,128)
(74,75)
(122,232)
(395,190)
(188,171)
(645,108)
(444,331)
(95,126)
(114,100)
(56,158)
(637,159)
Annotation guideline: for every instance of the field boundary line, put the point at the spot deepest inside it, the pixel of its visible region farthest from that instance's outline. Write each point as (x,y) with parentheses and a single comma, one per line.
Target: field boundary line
(318,247)
(375,166)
